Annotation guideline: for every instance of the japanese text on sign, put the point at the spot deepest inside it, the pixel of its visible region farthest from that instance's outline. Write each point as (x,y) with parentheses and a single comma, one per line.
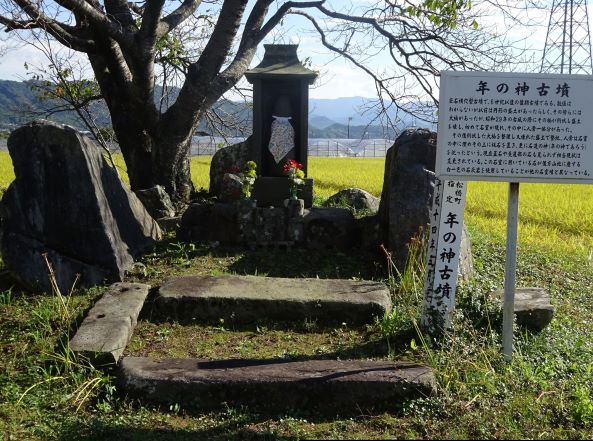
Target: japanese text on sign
(444,248)
(515,127)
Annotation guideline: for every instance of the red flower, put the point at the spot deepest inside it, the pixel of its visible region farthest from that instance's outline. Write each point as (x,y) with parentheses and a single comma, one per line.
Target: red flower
(291,164)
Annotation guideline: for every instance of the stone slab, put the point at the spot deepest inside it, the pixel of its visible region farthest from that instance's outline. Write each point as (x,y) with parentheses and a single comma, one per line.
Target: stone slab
(107,328)
(272,191)
(533,309)
(325,385)
(244,299)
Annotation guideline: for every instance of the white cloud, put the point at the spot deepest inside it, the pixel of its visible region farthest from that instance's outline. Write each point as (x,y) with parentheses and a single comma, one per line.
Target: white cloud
(12,64)
(341,79)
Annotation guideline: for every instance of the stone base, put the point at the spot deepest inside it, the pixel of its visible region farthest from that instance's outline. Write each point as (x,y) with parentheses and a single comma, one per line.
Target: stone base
(271,191)
(276,385)
(240,223)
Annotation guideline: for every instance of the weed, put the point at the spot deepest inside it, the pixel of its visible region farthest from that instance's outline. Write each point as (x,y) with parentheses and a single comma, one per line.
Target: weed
(582,407)
(406,287)
(64,300)
(6,297)
(390,325)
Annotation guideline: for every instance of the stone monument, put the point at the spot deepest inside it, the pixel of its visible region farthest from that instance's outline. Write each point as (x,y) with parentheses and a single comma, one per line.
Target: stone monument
(280,122)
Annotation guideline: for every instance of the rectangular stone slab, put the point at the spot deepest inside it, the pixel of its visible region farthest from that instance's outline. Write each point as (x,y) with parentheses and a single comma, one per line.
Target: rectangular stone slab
(244,299)
(108,326)
(326,385)
(533,309)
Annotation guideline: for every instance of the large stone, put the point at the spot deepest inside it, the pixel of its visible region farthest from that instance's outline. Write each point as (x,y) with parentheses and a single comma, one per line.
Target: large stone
(68,204)
(210,222)
(156,201)
(224,160)
(533,309)
(407,190)
(245,299)
(356,198)
(406,199)
(108,326)
(324,386)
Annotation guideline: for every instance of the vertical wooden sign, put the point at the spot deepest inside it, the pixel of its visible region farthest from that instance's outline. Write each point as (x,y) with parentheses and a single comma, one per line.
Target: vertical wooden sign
(444,248)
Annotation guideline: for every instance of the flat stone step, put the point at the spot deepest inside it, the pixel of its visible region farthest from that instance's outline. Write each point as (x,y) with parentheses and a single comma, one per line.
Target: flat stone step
(325,385)
(245,299)
(108,327)
(533,309)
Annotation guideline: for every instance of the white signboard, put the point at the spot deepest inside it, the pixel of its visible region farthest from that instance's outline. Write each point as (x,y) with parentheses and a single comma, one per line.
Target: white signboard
(515,127)
(442,261)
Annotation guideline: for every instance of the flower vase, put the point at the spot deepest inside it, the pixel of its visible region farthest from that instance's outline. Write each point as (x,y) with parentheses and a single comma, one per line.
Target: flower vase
(295,207)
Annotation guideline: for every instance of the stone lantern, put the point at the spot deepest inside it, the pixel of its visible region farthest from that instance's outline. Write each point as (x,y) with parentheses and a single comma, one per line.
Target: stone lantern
(280,121)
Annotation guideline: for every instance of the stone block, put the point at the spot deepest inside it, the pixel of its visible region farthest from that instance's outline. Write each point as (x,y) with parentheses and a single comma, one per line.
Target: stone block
(246,299)
(323,386)
(108,327)
(169,223)
(270,224)
(330,228)
(156,201)
(533,309)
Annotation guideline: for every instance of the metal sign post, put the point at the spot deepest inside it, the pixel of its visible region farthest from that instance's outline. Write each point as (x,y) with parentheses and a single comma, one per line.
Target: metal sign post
(508,311)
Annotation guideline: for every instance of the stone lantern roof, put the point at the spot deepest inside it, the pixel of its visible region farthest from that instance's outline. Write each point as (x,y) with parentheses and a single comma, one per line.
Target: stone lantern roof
(281,62)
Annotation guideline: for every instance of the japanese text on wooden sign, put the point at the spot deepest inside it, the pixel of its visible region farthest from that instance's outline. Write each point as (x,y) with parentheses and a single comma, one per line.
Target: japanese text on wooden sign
(515,127)
(444,249)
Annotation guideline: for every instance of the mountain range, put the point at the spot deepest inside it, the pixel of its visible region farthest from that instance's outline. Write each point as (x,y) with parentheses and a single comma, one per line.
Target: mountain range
(328,118)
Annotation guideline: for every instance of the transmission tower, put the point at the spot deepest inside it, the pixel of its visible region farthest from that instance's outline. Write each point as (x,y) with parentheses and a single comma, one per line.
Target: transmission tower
(568,43)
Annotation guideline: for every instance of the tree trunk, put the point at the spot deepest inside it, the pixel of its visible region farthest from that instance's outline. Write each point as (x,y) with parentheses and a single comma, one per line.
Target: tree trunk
(136,146)
(171,166)
(155,154)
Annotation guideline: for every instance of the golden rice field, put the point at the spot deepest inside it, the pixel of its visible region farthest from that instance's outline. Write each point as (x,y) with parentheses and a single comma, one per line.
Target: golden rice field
(552,217)
(330,174)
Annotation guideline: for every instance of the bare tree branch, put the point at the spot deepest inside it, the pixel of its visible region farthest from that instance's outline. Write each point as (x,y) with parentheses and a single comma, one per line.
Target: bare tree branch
(255,32)
(178,16)
(97,18)
(62,32)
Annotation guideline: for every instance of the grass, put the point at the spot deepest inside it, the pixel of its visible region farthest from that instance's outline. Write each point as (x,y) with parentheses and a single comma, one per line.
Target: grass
(546,392)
